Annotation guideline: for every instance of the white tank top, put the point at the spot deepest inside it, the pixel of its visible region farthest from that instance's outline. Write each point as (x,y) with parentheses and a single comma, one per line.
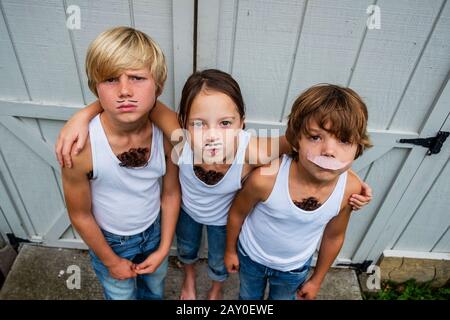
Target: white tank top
(282,236)
(209,204)
(125,201)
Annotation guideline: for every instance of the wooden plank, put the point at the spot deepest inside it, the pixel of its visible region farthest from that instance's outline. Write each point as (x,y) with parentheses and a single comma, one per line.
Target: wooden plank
(9,219)
(13,86)
(58,226)
(444,243)
(31,177)
(387,226)
(417,189)
(4,228)
(431,72)
(389,56)
(183,46)
(43,47)
(329,45)
(226,37)
(12,203)
(50,130)
(37,110)
(266,34)
(208,33)
(157,20)
(416,254)
(29,138)
(67,243)
(4,225)
(432,218)
(381,176)
(68,234)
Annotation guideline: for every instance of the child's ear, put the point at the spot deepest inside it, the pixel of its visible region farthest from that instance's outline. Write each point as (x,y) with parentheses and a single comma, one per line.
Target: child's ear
(159,90)
(243,123)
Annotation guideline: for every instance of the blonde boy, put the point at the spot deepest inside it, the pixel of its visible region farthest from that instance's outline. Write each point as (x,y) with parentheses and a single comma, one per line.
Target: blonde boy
(112,191)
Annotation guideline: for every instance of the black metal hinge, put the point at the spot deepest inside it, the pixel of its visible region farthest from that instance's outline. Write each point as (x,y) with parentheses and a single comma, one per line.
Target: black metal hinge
(360,267)
(15,241)
(434,144)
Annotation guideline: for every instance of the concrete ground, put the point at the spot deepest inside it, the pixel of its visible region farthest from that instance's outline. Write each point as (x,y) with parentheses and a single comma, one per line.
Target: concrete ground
(42,273)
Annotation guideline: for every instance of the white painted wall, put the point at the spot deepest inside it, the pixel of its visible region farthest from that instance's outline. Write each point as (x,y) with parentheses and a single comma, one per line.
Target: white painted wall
(275,49)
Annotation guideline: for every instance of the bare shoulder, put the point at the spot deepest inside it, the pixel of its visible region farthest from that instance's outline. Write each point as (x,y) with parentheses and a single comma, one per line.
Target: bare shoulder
(354,185)
(262,179)
(81,163)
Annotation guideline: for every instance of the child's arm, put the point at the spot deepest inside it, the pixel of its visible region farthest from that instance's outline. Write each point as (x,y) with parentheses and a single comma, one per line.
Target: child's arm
(78,199)
(357,201)
(167,120)
(75,130)
(77,127)
(332,241)
(170,206)
(256,188)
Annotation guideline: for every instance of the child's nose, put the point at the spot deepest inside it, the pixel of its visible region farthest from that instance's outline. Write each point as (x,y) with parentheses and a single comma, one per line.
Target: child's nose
(329,148)
(125,88)
(211,135)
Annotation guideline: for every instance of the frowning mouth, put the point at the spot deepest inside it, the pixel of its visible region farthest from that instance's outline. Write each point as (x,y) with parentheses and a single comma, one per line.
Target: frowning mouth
(127,107)
(214,145)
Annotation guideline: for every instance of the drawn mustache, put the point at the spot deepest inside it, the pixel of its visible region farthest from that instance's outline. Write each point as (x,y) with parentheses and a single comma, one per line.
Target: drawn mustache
(325,162)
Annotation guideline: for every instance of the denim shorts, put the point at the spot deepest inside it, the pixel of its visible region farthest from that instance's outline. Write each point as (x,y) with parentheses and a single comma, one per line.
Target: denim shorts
(189,236)
(254,276)
(135,248)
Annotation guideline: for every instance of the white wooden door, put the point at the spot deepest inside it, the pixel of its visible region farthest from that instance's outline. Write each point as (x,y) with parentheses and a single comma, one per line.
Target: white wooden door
(277,49)
(44,83)
(415,214)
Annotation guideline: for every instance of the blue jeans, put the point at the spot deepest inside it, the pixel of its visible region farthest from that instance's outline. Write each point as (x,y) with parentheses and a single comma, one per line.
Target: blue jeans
(253,278)
(135,248)
(189,236)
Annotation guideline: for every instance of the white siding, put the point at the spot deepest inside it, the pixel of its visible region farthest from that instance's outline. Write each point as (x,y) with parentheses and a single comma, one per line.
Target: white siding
(275,49)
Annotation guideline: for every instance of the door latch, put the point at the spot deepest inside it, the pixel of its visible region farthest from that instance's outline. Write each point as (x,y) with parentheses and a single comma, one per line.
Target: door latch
(434,144)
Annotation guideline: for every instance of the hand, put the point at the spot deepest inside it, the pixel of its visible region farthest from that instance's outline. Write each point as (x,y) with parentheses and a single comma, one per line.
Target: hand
(231,262)
(75,130)
(308,291)
(122,269)
(151,263)
(357,201)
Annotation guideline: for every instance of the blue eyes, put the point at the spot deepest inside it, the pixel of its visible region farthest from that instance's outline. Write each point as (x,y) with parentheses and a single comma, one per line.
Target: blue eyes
(200,124)
(197,124)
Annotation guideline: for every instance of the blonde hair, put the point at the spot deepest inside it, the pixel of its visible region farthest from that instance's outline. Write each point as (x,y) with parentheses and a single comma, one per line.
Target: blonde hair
(121,48)
(340,107)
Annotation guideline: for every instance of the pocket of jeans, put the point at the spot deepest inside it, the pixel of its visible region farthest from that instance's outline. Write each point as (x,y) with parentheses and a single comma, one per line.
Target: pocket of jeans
(303,269)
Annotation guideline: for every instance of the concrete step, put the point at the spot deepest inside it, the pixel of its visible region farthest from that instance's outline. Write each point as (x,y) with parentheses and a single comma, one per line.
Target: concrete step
(41,273)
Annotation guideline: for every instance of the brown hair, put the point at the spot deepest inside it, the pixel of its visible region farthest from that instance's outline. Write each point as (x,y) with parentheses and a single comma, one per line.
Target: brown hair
(120,48)
(327,104)
(211,79)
